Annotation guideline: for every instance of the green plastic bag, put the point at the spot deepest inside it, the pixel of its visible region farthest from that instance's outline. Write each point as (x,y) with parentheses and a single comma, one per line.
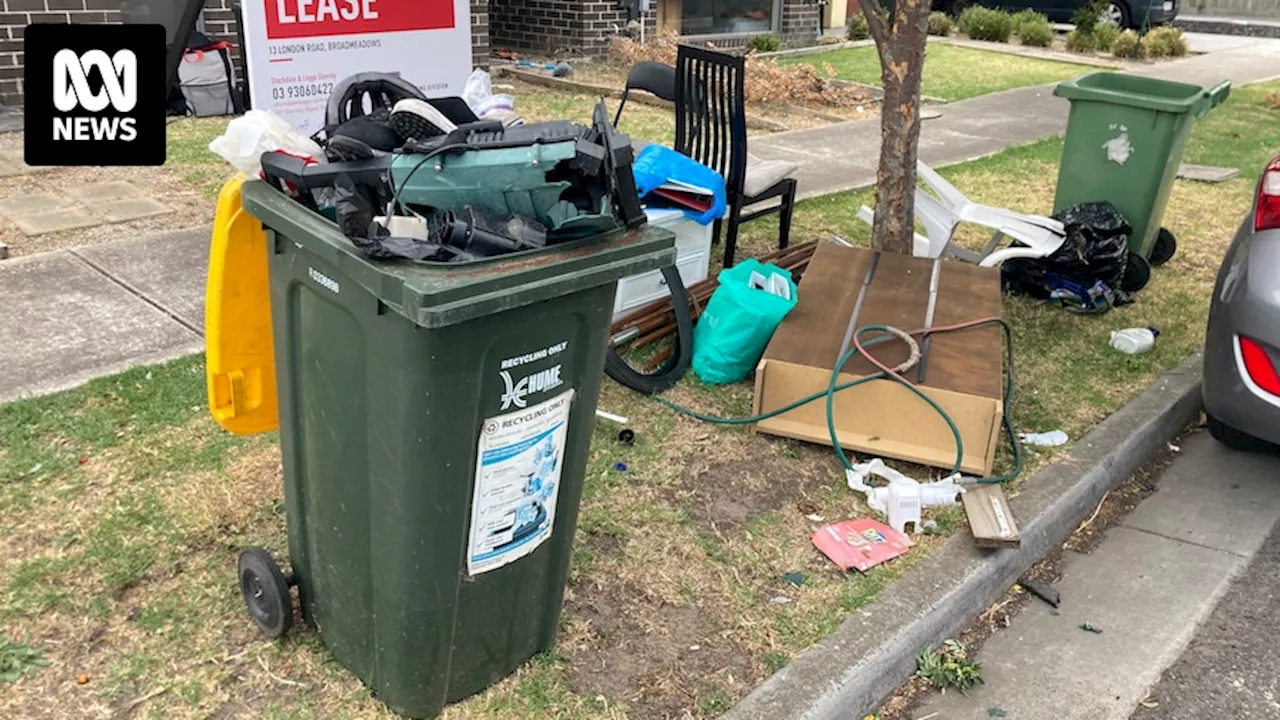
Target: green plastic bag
(739,320)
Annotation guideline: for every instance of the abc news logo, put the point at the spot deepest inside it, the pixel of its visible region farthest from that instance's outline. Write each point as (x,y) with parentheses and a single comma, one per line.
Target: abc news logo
(71,91)
(95,95)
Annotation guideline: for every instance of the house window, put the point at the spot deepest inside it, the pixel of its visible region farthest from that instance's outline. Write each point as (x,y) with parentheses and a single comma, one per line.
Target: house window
(716,17)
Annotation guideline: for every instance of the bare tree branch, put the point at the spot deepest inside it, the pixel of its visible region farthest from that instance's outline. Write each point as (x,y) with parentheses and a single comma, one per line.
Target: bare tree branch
(876,14)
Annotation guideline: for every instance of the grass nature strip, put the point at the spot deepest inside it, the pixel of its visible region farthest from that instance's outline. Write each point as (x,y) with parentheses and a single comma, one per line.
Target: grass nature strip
(122,507)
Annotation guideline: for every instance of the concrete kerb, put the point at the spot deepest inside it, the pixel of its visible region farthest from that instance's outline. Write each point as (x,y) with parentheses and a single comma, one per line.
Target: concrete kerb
(849,674)
(816,49)
(1021,50)
(1034,52)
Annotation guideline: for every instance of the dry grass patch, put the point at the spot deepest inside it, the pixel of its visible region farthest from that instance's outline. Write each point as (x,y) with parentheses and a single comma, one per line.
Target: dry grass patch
(122,568)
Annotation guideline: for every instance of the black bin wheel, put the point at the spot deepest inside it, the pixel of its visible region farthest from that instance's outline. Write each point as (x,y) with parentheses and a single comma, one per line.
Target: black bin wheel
(1137,272)
(266,592)
(1165,246)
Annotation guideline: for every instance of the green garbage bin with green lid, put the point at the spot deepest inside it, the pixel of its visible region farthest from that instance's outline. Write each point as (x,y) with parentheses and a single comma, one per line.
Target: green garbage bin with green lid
(434,423)
(1124,143)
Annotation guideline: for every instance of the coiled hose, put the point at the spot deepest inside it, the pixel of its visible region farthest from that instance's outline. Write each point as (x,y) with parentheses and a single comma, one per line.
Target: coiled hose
(835,386)
(674,368)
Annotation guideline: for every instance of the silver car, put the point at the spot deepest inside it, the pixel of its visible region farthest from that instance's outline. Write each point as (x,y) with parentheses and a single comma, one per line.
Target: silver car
(1242,345)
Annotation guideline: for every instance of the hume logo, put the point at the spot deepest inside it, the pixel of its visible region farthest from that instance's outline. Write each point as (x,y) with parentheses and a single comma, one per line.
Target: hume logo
(516,392)
(95,95)
(71,91)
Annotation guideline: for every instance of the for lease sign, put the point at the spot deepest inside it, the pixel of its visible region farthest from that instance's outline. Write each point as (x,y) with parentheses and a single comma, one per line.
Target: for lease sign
(298,50)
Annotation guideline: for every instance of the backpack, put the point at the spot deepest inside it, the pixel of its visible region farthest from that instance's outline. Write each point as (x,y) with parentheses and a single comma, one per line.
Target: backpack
(206,83)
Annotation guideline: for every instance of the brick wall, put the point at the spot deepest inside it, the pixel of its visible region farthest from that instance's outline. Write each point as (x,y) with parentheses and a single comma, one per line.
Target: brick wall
(799,24)
(480,33)
(19,13)
(600,21)
(220,24)
(555,27)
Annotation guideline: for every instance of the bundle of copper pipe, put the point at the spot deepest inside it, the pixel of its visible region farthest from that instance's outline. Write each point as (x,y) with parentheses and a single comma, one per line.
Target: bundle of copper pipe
(657,320)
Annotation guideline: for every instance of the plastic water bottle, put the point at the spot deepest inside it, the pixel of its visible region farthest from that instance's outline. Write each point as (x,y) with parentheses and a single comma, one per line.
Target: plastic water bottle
(1134,341)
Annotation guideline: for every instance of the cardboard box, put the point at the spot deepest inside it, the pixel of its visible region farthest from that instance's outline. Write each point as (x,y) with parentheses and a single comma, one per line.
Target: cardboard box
(964,370)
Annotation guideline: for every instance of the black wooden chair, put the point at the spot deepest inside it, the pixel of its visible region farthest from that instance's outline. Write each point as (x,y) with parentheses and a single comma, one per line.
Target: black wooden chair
(654,77)
(711,127)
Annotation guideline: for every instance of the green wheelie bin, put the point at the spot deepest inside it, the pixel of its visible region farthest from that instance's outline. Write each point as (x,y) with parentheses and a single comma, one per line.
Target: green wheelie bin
(1124,143)
(434,423)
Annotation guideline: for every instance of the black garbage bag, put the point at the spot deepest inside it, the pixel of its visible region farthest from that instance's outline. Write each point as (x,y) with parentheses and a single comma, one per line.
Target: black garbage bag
(1086,274)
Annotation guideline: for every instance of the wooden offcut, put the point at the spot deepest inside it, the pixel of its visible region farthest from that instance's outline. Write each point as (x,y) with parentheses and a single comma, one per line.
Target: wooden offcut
(990,518)
(882,418)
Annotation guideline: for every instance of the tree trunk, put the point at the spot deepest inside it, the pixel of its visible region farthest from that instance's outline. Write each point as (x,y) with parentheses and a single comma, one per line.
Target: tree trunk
(900,40)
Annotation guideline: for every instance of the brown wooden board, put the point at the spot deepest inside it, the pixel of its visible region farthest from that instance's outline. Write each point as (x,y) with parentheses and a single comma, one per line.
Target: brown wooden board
(968,361)
(990,518)
(880,418)
(883,418)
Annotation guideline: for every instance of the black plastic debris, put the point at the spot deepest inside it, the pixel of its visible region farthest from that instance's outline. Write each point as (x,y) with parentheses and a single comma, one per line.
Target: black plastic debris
(1088,273)
(485,233)
(354,212)
(1044,591)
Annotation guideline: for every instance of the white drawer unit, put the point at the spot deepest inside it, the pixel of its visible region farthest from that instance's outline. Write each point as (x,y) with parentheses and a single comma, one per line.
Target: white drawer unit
(693,258)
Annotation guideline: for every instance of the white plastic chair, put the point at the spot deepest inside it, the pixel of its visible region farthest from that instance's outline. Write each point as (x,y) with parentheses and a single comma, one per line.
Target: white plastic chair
(1039,236)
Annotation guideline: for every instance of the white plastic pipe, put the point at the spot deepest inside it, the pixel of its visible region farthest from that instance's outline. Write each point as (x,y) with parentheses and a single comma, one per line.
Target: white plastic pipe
(611,417)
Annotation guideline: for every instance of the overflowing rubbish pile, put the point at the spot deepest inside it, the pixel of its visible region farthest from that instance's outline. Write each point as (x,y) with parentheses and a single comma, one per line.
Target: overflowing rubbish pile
(405,177)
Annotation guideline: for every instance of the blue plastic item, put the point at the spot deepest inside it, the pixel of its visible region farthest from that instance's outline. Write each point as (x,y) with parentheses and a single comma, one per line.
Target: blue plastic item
(739,321)
(656,165)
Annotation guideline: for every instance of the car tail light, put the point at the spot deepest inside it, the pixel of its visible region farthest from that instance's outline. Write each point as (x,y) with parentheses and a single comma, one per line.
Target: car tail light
(1268,215)
(1259,366)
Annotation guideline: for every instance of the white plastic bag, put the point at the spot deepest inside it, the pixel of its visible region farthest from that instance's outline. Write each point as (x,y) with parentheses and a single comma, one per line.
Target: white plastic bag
(257,132)
(478,95)
(478,89)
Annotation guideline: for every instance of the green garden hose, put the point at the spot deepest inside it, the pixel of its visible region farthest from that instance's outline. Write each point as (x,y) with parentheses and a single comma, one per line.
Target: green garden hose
(834,386)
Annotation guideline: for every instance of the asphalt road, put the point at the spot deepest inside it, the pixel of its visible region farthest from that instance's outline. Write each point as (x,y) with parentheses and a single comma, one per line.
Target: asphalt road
(1232,667)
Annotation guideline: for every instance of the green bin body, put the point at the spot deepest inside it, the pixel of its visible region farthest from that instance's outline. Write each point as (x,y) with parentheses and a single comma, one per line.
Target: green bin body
(1124,143)
(391,377)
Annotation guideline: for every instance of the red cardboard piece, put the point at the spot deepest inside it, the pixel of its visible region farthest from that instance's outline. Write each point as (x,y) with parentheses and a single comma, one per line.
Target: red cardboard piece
(860,544)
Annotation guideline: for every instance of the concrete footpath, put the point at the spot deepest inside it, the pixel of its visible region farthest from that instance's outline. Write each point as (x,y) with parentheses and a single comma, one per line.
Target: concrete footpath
(1229,670)
(843,156)
(1148,587)
(73,315)
(69,316)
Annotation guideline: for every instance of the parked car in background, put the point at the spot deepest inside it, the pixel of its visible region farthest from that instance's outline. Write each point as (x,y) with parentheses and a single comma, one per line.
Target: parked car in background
(1123,13)
(1242,345)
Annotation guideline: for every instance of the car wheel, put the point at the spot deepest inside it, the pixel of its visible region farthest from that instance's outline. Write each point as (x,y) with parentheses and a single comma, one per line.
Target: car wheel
(1236,439)
(1116,13)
